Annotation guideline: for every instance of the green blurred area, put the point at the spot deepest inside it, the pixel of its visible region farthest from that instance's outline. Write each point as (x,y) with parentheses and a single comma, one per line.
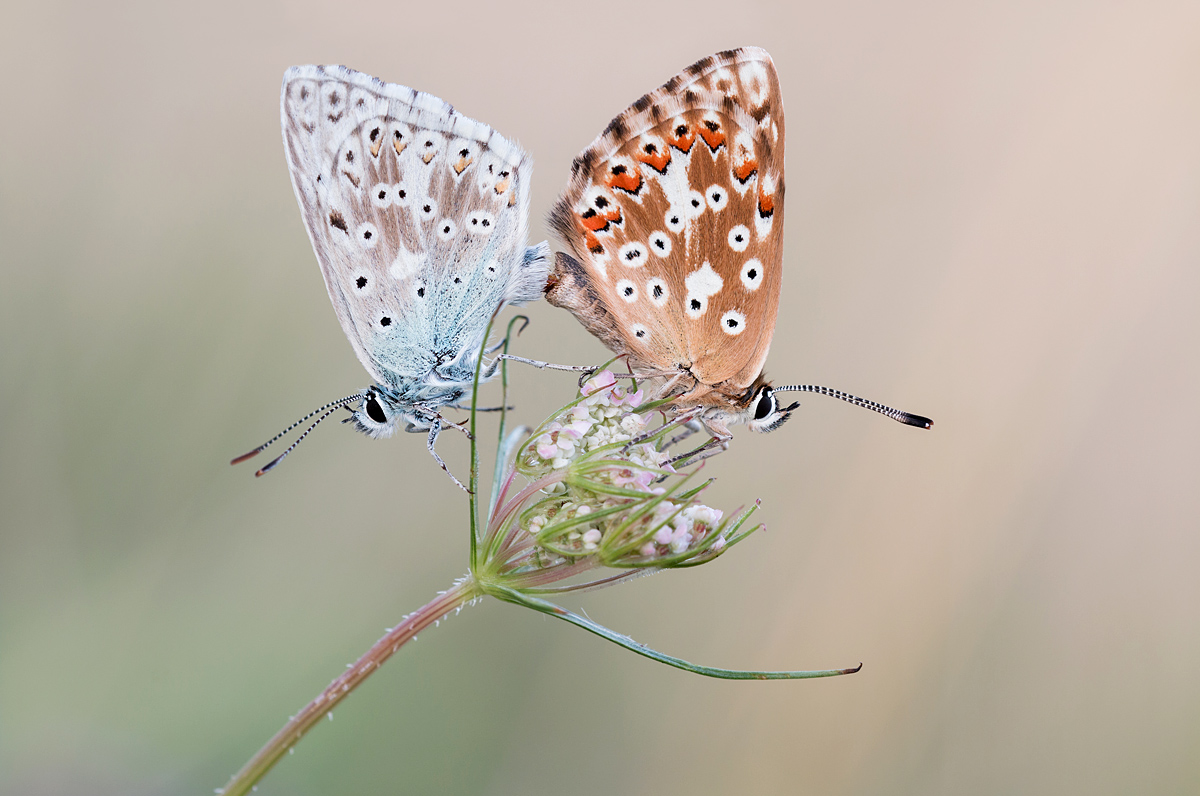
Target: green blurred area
(993,219)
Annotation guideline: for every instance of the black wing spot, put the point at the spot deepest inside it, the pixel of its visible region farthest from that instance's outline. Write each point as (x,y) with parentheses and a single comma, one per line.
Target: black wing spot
(337,220)
(402,193)
(628,291)
(361,282)
(658,291)
(366,234)
(752,273)
(458,280)
(640,333)
(695,304)
(601,202)
(420,292)
(385,321)
(374,134)
(731,323)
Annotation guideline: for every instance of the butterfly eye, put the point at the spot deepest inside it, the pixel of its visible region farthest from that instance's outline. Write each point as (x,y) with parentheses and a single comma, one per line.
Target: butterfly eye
(766,405)
(374,410)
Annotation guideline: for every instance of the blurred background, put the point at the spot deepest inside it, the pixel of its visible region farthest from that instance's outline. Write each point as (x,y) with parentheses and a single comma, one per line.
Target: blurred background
(993,219)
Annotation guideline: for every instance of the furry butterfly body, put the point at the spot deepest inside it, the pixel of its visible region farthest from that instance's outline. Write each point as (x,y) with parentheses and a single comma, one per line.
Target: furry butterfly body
(419,220)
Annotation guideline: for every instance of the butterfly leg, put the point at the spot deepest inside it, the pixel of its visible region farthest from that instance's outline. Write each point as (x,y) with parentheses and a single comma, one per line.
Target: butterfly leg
(435,428)
(537,363)
(689,428)
(708,449)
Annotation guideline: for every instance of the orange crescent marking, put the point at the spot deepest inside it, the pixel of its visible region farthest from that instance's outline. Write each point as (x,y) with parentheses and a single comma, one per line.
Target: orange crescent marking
(766,202)
(658,160)
(594,223)
(714,138)
(684,142)
(744,171)
(627,181)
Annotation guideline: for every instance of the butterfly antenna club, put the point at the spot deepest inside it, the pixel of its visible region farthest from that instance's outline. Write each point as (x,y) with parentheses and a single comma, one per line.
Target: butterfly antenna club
(331,405)
(906,418)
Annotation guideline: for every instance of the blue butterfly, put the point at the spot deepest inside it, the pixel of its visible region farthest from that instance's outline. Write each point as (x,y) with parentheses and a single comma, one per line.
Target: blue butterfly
(419,219)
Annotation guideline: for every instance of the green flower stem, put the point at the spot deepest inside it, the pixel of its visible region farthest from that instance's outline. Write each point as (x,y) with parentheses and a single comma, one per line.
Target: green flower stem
(460,594)
(549,608)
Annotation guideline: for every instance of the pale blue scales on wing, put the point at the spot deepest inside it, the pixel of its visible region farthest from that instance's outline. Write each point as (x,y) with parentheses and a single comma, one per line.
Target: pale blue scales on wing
(419,220)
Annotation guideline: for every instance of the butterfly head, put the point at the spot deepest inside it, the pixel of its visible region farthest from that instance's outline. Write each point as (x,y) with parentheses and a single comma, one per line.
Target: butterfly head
(378,415)
(764,413)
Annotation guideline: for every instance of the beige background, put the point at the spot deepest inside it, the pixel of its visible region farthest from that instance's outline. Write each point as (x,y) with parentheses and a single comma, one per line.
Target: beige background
(993,219)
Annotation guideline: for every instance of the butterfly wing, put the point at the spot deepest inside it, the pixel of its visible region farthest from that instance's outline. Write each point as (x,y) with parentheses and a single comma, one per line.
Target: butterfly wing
(674,220)
(418,217)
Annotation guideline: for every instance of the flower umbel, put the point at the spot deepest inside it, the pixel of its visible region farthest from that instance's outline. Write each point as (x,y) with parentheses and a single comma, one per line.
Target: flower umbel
(600,492)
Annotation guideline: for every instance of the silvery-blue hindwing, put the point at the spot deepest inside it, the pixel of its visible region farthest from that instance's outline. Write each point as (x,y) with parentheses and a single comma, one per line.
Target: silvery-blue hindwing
(419,220)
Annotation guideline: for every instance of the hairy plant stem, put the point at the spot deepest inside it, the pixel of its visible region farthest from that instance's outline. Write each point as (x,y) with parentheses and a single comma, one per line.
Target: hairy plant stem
(460,594)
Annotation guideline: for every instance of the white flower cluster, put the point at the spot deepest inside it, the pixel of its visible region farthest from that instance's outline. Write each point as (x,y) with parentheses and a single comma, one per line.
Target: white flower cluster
(606,416)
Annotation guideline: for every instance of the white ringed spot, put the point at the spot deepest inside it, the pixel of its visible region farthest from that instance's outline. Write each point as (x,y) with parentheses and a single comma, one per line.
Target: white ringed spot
(752,274)
(367,235)
(446,229)
(657,291)
(639,331)
(717,197)
(674,219)
(381,195)
(694,204)
(364,283)
(427,209)
(627,290)
(739,238)
(400,196)
(632,255)
(733,323)
(660,243)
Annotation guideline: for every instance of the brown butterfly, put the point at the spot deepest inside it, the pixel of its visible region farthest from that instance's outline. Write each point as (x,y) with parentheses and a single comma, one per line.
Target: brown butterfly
(673,219)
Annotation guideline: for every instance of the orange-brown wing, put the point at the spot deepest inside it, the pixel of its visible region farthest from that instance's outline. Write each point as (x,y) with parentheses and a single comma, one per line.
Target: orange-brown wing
(674,218)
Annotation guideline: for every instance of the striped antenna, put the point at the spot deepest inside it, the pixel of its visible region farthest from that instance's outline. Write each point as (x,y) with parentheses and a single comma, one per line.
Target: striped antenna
(329,406)
(895,414)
